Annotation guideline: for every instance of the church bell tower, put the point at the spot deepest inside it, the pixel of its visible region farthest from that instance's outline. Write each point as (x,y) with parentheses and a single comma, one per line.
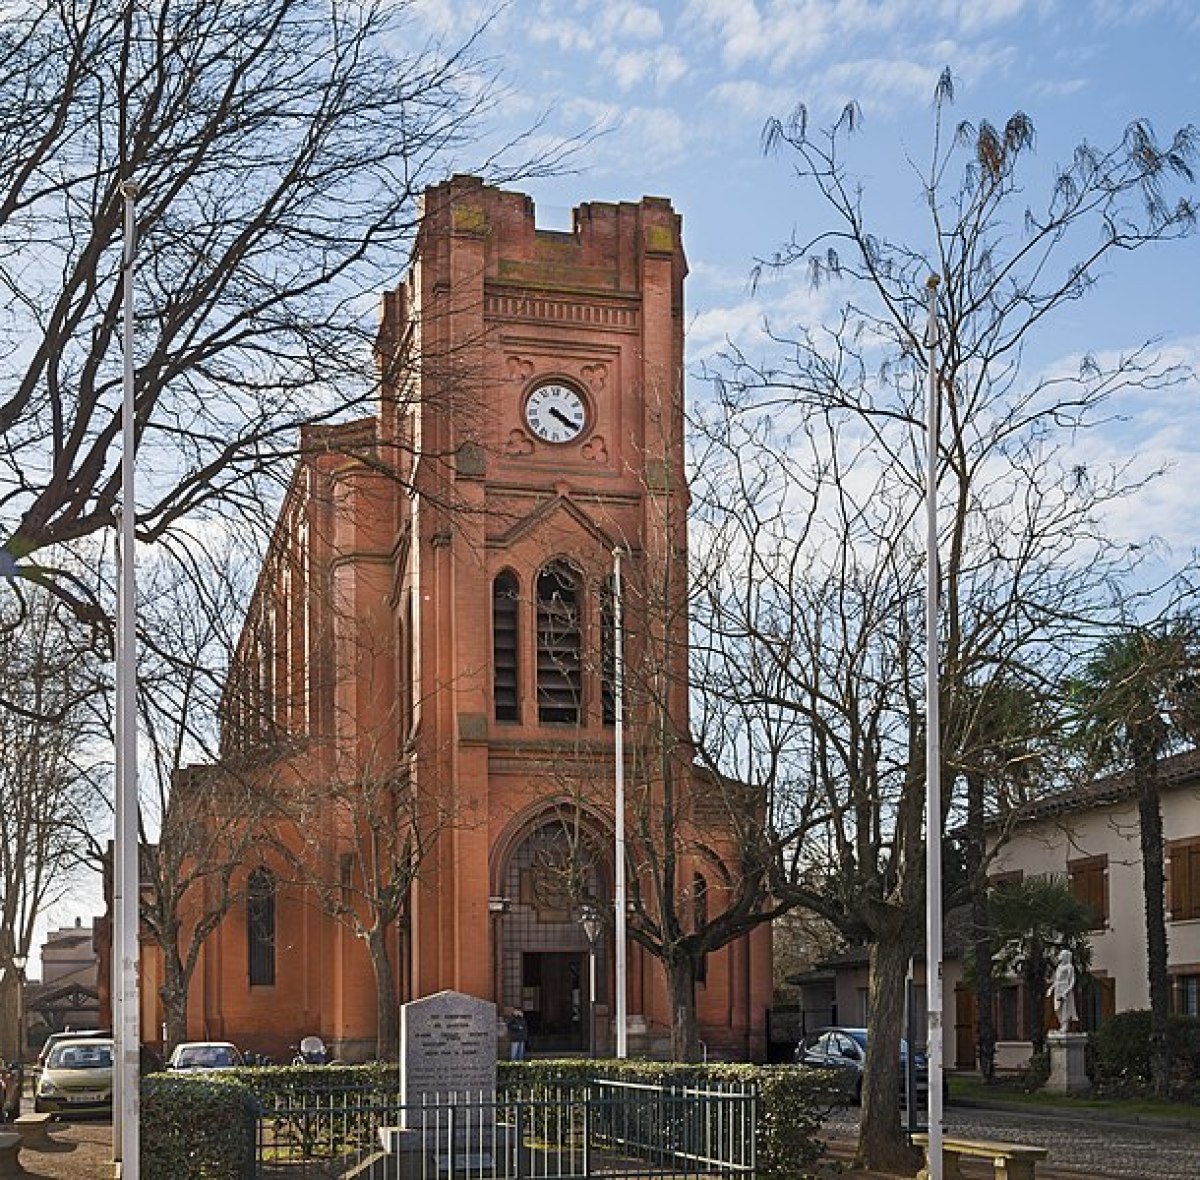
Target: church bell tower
(533,397)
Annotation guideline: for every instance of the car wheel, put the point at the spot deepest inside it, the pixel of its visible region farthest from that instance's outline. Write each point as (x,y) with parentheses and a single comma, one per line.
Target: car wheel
(858,1090)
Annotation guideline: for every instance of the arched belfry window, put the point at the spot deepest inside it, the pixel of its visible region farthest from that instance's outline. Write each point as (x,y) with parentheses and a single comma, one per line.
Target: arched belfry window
(559,647)
(260,927)
(506,699)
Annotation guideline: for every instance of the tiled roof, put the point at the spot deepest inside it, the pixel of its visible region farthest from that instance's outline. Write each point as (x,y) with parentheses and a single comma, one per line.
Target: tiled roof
(1178,770)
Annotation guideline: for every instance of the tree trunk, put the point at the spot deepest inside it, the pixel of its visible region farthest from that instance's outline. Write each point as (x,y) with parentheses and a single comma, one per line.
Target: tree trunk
(387,1012)
(882,1144)
(9,1036)
(1153,886)
(985,1042)
(1035,991)
(681,984)
(174,996)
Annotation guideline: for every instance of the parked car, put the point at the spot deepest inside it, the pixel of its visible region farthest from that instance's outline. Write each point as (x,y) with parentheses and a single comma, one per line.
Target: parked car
(76,1078)
(845,1050)
(204,1055)
(78,1034)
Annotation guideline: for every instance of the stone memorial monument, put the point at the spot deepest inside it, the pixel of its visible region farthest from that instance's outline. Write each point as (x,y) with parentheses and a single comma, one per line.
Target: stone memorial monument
(447,1060)
(447,1047)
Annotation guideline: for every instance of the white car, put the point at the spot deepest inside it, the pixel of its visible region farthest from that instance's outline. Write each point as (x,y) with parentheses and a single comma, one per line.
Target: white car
(204,1055)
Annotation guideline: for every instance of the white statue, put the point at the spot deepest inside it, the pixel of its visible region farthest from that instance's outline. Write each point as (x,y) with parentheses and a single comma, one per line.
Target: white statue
(1063,991)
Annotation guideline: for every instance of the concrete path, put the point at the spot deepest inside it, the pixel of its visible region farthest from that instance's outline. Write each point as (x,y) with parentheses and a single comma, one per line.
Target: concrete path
(1078,1147)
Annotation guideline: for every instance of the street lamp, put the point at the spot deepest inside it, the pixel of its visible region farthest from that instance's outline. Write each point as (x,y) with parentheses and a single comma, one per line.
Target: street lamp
(592,924)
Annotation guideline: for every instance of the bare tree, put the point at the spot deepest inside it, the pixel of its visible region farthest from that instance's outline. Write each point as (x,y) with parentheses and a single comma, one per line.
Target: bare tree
(279,148)
(48,772)
(364,877)
(200,816)
(701,842)
(821,492)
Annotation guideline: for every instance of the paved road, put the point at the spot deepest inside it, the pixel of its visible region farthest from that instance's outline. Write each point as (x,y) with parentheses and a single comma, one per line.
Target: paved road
(1088,1147)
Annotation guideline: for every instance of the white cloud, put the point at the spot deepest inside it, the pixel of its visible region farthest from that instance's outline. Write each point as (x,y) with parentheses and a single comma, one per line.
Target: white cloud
(661,67)
(564,34)
(635,140)
(789,304)
(974,16)
(1060,89)
(752,98)
(627,19)
(591,27)
(877,83)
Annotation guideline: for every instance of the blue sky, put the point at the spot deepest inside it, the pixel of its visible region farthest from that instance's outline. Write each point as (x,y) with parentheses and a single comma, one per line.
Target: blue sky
(682,91)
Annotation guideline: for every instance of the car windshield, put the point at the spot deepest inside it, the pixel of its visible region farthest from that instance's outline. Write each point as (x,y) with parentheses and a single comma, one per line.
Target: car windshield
(71,1056)
(860,1035)
(210,1056)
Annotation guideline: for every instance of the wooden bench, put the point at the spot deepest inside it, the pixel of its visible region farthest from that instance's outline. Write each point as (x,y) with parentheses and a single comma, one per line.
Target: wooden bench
(10,1145)
(1010,1161)
(34,1129)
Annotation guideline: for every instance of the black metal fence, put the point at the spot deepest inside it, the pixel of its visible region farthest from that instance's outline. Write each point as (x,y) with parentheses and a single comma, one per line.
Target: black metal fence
(567,1132)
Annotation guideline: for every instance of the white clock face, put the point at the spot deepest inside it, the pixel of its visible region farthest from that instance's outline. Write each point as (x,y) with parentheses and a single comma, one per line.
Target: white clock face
(556,413)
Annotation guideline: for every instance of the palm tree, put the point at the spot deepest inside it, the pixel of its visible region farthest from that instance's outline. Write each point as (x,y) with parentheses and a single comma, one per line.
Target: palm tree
(1032,920)
(1137,699)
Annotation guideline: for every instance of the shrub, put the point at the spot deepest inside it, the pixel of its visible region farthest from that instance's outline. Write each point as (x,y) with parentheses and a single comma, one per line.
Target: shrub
(1035,1073)
(197,1128)
(1120,1052)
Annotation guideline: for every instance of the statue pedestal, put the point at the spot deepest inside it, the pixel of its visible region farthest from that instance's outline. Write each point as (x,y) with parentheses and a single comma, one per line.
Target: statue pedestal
(1068,1074)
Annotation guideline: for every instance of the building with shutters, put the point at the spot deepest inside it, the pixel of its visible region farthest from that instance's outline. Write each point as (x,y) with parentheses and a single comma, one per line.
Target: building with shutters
(1090,835)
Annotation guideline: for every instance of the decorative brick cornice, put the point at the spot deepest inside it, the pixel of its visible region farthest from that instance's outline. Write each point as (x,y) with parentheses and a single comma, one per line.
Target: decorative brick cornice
(565,309)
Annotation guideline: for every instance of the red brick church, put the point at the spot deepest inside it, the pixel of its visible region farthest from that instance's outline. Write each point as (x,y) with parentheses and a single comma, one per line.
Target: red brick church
(438,603)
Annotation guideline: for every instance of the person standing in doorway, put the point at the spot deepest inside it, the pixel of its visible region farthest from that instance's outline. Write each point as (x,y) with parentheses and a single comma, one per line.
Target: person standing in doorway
(518,1032)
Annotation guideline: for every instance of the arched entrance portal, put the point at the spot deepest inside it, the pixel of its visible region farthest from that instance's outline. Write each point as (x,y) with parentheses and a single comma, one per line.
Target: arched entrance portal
(543,953)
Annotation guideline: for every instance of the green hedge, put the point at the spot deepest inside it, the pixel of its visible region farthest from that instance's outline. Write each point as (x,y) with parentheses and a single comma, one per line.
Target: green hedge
(201,1127)
(792,1101)
(1119,1052)
(197,1128)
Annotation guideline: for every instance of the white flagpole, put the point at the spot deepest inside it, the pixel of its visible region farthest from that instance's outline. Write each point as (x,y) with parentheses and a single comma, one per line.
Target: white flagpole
(125,847)
(619,805)
(933,754)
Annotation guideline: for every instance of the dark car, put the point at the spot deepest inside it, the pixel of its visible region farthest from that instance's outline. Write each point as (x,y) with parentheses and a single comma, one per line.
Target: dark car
(845,1050)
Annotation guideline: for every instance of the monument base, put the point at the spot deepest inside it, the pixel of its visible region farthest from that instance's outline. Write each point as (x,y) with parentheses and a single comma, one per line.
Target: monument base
(410,1153)
(1068,1071)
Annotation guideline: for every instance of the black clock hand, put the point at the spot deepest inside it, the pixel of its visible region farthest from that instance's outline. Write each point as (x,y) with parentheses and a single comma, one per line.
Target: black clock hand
(555,412)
